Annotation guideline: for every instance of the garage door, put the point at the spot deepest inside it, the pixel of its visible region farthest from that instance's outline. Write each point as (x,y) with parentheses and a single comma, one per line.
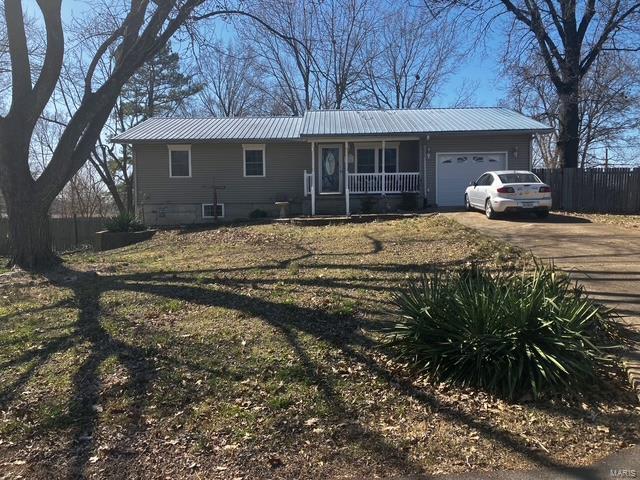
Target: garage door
(456,170)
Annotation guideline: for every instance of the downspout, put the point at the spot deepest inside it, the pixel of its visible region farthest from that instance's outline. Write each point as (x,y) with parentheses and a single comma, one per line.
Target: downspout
(346,178)
(313,178)
(135,184)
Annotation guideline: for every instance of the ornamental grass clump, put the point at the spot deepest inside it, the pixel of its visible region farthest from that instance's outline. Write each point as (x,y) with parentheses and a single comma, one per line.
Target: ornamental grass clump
(124,222)
(509,332)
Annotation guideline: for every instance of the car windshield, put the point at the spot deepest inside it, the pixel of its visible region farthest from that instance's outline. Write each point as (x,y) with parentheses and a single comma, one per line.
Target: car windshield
(518,178)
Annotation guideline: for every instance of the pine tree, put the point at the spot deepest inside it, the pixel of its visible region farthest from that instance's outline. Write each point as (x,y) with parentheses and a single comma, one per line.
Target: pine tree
(158,88)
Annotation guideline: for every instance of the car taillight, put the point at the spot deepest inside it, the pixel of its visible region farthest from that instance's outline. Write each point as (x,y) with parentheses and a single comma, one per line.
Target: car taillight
(506,190)
(545,189)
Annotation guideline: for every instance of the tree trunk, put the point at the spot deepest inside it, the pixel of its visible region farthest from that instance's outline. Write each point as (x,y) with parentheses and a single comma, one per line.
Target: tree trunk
(30,234)
(101,166)
(130,204)
(569,128)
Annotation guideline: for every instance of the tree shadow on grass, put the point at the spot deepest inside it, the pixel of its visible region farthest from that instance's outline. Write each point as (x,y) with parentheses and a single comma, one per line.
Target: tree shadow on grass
(102,345)
(86,382)
(292,320)
(341,332)
(85,401)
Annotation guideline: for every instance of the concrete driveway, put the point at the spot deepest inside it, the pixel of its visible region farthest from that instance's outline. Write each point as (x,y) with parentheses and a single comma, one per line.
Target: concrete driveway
(604,258)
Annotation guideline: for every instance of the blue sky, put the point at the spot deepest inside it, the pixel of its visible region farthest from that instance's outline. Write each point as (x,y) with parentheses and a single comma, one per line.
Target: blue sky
(480,68)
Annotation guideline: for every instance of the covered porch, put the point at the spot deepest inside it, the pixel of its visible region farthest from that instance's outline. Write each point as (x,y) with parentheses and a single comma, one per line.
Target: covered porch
(343,171)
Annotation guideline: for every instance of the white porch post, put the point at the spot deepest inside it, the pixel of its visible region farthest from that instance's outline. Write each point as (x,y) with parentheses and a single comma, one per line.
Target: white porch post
(313,178)
(346,178)
(384,160)
(427,155)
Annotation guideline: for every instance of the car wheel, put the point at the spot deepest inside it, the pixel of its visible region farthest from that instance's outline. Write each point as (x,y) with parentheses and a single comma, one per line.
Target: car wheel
(542,214)
(489,211)
(467,204)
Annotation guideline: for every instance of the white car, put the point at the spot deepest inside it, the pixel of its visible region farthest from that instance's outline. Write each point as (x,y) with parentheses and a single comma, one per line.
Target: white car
(508,191)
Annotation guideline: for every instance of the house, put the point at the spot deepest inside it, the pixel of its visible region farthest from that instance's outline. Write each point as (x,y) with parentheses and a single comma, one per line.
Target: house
(325,162)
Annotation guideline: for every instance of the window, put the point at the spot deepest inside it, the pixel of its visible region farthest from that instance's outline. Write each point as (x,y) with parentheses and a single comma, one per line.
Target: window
(366,160)
(207,210)
(488,180)
(369,158)
(519,178)
(391,159)
(254,160)
(179,161)
(485,180)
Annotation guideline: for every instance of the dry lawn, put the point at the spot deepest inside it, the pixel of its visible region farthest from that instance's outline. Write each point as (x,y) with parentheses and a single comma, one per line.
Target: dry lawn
(252,352)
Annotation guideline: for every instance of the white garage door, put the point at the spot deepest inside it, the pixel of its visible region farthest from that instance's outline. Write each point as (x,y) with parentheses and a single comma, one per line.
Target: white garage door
(455,171)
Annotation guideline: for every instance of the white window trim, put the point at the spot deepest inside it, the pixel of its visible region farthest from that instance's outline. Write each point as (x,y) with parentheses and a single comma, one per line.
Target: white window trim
(367,146)
(179,148)
(395,146)
(251,147)
(376,147)
(211,205)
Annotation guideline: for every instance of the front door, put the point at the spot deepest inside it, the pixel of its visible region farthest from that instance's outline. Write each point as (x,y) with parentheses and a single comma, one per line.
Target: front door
(330,169)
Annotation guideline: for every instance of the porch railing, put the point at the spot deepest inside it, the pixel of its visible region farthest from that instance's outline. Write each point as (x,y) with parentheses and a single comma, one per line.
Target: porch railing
(384,182)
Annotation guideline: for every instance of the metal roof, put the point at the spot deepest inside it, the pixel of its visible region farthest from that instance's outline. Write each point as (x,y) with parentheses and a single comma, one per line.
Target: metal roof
(335,123)
(168,130)
(330,123)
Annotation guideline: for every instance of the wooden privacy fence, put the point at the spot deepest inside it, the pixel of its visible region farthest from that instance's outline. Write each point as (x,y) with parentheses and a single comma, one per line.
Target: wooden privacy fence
(597,190)
(66,233)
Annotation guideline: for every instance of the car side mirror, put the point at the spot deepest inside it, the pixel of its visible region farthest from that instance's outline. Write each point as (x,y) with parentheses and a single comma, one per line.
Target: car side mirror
(473,184)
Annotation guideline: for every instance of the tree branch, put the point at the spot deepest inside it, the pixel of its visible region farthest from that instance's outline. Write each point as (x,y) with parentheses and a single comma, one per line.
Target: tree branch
(556,19)
(19,54)
(612,24)
(53,56)
(589,12)
(257,19)
(548,48)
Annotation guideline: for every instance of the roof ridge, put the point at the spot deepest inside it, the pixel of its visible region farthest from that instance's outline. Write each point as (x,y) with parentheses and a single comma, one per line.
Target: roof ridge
(229,118)
(404,109)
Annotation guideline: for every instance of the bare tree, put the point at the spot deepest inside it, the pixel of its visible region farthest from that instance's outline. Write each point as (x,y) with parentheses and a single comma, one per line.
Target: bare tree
(135,32)
(230,82)
(159,87)
(408,59)
(83,196)
(356,53)
(323,69)
(609,104)
(347,26)
(290,66)
(569,35)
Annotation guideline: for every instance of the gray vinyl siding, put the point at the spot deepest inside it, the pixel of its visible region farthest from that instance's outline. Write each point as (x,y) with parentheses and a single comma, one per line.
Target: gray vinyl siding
(166,200)
(475,143)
